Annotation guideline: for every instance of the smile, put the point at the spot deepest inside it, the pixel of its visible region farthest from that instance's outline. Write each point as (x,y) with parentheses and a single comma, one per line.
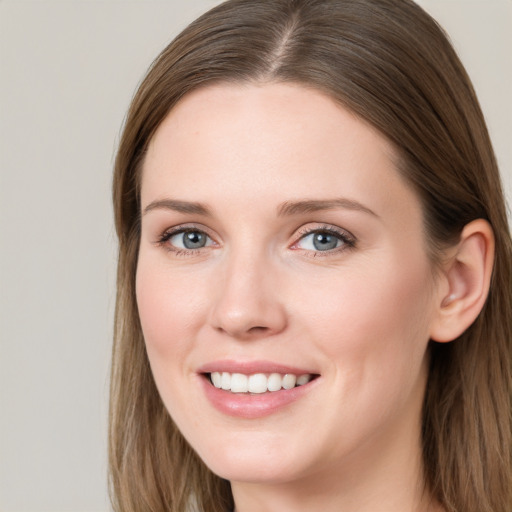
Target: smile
(255,390)
(257,383)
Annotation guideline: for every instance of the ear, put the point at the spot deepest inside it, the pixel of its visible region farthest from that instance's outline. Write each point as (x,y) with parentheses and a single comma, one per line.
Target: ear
(464,283)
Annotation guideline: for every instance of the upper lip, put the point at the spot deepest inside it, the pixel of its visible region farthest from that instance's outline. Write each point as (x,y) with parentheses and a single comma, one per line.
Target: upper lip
(251,367)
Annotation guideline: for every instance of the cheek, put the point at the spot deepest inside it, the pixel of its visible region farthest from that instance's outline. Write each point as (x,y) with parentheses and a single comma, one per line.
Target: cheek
(168,309)
(170,312)
(374,321)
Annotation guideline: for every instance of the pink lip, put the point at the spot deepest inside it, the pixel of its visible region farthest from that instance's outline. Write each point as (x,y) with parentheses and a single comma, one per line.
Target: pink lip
(253,406)
(250,367)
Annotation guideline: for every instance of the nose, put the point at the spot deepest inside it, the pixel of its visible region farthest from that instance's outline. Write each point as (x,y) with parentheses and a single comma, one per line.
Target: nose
(247,301)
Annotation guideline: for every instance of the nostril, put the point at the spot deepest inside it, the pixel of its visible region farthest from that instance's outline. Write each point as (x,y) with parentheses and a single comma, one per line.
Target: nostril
(257,329)
(249,332)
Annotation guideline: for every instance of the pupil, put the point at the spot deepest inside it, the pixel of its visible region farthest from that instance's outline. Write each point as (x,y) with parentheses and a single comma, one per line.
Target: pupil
(194,240)
(324,242)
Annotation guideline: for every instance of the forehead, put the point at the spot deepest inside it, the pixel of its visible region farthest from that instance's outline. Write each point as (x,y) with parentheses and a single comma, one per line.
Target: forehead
(275,141)
(209,114)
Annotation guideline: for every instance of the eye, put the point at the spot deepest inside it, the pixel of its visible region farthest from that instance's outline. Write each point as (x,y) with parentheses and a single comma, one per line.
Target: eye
(324,240)
(186,239)
(189,240)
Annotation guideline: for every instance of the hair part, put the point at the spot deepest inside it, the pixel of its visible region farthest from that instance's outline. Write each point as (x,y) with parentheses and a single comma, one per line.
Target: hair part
(388,62)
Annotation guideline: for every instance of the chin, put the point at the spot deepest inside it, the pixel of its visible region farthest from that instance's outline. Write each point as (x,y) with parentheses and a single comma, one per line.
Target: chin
(252,472)
(255,463)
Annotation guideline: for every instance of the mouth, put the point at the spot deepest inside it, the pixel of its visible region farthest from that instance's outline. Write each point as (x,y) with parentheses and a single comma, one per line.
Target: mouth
(255,389)
(258,383)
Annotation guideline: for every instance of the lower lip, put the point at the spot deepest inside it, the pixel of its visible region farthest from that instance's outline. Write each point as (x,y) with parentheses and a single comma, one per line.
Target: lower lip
(248,406)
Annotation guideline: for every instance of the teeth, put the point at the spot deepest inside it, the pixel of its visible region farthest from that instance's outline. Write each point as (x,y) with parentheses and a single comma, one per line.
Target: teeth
(289,381)
(225,382)
(257,382)
(303,379)
(239,383)
(216,379)
(274,382)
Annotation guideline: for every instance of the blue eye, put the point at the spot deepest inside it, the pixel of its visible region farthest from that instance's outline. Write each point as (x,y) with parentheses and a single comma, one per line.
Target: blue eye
(324,240)
(188,239)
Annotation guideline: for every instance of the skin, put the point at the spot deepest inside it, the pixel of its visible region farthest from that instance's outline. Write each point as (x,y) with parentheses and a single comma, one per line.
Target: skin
(359,315)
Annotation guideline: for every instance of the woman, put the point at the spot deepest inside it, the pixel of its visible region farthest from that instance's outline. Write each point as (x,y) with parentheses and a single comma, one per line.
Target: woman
(314,281)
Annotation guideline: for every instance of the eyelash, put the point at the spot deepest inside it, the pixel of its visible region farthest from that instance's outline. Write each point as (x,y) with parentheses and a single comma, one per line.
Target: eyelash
(167,235)
(347,239)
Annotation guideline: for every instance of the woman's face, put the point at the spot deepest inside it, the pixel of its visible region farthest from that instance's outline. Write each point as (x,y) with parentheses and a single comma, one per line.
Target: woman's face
(279,239)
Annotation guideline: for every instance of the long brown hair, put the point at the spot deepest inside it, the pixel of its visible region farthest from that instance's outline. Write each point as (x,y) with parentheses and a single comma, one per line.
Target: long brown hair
(392,65)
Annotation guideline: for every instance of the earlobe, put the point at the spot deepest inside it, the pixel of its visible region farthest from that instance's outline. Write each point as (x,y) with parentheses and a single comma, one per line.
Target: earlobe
(467,276)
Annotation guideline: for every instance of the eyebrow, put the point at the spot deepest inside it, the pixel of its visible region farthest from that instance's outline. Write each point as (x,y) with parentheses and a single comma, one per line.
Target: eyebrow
(285,209)
(314,205)
(178,206)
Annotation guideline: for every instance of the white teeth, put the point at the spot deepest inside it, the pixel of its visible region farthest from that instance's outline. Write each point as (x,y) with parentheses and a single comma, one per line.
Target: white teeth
(225,382)
(216,379)
(239,383)
(274,382)
(289,381)
(257,382)
(303,379)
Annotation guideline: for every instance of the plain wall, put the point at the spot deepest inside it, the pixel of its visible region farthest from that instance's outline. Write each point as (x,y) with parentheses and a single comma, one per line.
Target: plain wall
(68,69)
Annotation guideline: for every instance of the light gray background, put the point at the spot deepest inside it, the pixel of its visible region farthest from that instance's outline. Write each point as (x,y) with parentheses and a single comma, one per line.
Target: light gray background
(68,69)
